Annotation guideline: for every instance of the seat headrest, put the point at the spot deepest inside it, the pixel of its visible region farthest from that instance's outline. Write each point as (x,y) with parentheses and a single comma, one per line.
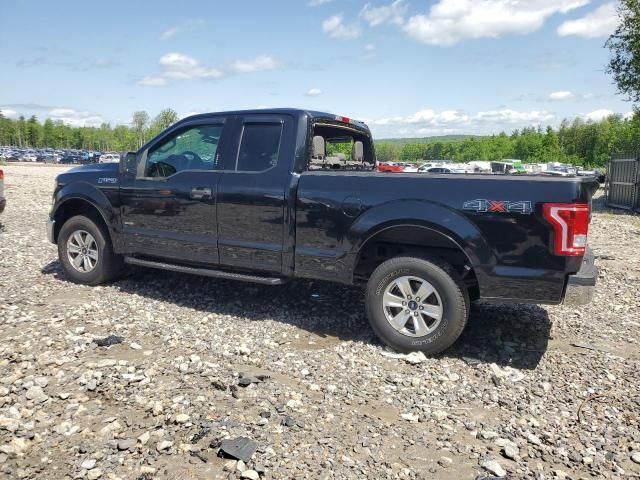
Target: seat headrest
(357,152)
(318,147)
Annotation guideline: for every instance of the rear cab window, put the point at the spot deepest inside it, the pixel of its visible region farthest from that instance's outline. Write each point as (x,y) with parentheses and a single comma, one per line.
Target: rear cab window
(340,146)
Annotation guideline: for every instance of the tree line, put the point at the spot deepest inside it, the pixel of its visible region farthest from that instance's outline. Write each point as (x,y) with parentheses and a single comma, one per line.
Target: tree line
(30,132)
(578,142)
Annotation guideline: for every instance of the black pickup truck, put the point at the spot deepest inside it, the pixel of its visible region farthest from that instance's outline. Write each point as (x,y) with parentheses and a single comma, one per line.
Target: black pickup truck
(271,195)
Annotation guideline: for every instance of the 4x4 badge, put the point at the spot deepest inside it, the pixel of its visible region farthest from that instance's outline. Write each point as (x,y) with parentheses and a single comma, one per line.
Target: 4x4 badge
(498,206)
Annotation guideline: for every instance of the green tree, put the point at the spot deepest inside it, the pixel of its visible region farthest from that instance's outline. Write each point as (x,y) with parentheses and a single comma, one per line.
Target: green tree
(34,132)
(48,137)
(624,45)
(140,122)
(163,120)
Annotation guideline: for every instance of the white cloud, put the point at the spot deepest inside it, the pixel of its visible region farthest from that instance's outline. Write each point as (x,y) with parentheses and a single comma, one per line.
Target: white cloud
(178,61)
(511,117)
(313,92)
(562,95)
(451,21)
(317,3)
(178,66)
(458,117)
(369,52)
(392,13)
(152,81)
(8,113)
(598,115)
(335,28)
(602,22)
(75,118)
(431,122)
(104,63)
(188,26)
(169,32)
(258,64)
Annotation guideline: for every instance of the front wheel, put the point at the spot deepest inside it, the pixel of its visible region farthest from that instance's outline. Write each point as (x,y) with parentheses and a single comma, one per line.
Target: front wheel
(85,252)
(416,305)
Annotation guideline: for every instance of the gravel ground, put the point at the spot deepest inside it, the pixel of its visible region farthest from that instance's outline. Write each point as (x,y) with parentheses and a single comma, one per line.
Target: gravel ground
(527,392)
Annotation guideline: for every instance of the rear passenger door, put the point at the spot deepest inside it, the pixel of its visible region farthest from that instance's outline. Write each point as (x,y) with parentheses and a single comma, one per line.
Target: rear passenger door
(252,193)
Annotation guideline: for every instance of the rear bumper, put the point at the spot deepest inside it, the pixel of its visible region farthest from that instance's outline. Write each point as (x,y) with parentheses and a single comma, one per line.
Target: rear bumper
(582,286)
(50,230)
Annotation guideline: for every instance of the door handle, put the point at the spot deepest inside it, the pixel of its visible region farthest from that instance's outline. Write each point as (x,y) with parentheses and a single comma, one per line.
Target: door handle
(198,193)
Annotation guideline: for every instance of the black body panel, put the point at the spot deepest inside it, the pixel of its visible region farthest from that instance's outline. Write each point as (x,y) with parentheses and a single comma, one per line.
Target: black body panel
(163,219)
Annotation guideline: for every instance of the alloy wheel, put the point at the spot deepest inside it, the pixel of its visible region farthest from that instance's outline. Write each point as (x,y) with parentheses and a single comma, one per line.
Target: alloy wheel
(412,306)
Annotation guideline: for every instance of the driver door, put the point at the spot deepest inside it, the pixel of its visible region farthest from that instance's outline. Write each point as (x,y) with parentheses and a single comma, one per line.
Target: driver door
(169,210)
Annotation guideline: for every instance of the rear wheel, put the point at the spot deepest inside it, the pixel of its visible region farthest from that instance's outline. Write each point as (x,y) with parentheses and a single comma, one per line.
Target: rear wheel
(416,305)
(85,252)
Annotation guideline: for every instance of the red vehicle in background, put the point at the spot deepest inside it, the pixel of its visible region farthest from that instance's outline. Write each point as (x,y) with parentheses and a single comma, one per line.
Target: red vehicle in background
(389,167)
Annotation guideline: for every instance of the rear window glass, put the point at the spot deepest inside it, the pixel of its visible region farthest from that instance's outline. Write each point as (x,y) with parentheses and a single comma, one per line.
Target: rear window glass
(259,147)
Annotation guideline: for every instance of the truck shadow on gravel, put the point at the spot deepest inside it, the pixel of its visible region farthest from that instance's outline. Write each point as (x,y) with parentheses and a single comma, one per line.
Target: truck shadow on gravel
(509,335)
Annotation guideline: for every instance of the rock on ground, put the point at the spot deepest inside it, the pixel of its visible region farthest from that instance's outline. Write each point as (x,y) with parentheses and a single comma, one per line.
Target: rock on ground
(335,403)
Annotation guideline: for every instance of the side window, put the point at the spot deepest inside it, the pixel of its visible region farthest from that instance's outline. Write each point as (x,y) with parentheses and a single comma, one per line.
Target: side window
(193,148)
(259,147)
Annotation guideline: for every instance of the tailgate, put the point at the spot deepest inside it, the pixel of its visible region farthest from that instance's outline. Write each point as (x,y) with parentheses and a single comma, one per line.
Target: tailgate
(588,186)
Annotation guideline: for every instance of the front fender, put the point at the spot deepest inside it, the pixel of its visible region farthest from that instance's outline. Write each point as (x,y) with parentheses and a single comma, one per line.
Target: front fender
(435,217)
(86,192)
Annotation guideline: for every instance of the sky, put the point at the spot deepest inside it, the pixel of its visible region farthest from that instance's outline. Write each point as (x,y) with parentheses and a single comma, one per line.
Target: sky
(409,68)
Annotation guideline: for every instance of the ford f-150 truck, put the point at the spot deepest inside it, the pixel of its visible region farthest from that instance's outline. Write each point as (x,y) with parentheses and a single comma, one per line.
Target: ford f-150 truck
(250,195)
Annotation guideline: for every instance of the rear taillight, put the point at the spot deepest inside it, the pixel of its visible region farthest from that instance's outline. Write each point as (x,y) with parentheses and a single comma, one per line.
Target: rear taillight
(570,223)
(1,175)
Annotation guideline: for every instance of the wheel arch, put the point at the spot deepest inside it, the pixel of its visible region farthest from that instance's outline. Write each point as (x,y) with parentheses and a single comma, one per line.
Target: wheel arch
(428,230)
(76,205)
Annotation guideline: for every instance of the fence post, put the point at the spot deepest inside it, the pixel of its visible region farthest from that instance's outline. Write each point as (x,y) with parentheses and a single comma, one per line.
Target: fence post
(607,179)
(636,190)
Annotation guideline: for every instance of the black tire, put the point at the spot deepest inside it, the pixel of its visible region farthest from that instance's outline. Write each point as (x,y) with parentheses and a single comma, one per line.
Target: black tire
(108,264)
(453,300)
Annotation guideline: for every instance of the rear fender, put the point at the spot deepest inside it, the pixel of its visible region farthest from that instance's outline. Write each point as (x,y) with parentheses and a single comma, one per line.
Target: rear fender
(437,218)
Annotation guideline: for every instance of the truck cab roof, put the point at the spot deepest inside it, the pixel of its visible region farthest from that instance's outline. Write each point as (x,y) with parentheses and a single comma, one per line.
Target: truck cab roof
(295,112)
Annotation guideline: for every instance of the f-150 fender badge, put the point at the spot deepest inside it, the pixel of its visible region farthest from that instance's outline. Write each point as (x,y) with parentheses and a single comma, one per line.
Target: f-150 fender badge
(498,206)
(108,180)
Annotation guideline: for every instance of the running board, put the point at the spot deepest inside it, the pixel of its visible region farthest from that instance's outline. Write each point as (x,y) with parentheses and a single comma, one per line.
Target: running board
(205,272)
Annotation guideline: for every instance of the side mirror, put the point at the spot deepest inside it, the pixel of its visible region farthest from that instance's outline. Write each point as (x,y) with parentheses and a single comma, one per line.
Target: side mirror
(129,164)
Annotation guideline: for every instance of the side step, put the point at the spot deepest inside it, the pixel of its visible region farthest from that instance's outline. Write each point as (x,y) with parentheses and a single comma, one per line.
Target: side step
(205,272)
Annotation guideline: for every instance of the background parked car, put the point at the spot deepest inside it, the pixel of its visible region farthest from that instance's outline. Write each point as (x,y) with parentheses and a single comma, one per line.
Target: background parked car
(389,167)
(109,158)
(445,170)
(71,158)
(410,168)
